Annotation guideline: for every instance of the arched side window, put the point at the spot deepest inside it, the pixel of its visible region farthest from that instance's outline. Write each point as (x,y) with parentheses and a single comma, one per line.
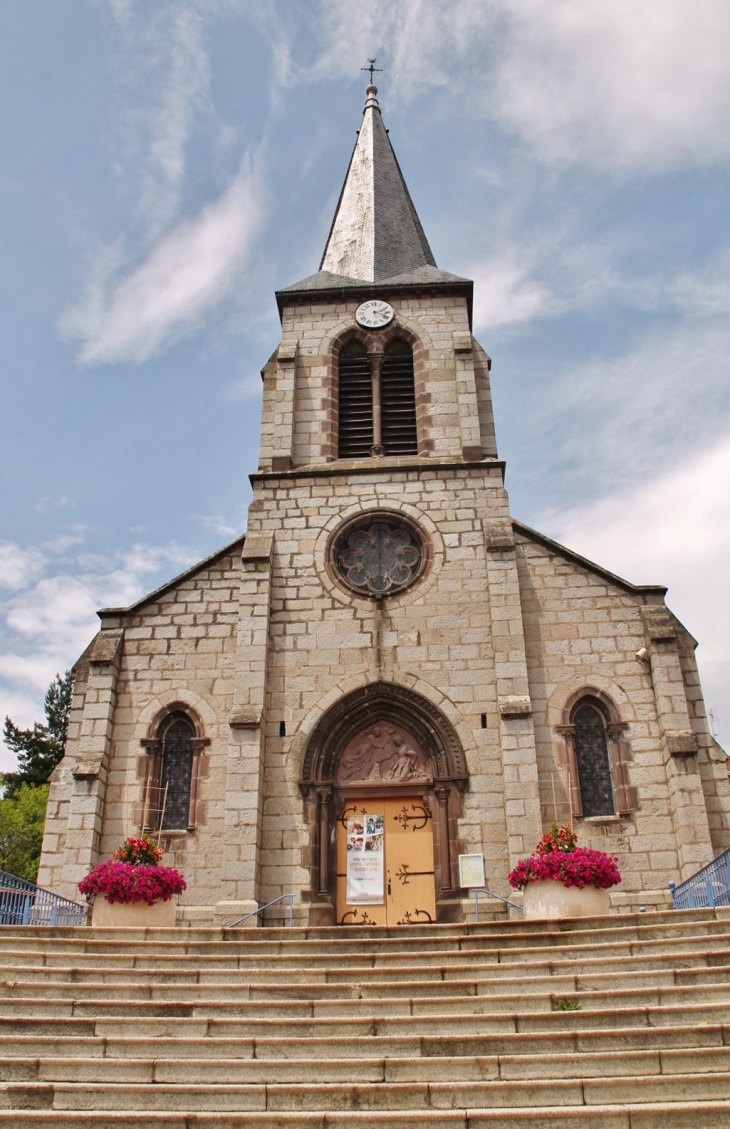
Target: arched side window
(597,757)
(173,768)
(176,773)
(592,763)
(376,401)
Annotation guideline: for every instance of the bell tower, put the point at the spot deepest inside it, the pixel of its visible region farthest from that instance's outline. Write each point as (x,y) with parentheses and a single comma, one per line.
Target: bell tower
(385,544)
(378,287)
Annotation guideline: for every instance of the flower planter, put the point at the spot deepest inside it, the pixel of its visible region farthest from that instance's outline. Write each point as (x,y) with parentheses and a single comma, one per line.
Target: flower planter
(551,900)
(133,915)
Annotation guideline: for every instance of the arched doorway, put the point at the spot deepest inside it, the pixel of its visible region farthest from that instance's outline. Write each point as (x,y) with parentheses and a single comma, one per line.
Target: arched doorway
(383,772)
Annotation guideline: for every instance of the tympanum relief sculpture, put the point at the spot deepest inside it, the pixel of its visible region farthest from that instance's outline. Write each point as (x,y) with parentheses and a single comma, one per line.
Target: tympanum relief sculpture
(383,754)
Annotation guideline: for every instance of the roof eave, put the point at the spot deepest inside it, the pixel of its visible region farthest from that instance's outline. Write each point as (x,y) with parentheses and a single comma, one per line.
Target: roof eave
(365,290)
(105,614)
(555,546)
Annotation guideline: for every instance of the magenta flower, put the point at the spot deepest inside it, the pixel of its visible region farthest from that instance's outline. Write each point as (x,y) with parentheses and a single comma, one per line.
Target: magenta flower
(127,883)
(580,867)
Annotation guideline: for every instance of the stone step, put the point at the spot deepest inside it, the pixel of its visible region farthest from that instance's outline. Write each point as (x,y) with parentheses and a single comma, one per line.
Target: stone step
(439,938)
(31,981)
(648,923)
(504,1067)
(679,969)
(434,1046)
(654,1115)
(704,1115)
(177,1020)
(651,918)
(151,959)
(316,1097)
(453,1003)
(240,986)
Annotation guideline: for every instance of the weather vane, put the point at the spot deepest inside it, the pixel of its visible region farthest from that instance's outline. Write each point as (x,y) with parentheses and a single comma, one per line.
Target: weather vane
(373,69)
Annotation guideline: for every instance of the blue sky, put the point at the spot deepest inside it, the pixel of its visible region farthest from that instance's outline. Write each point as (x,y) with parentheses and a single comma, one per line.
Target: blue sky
(166,166)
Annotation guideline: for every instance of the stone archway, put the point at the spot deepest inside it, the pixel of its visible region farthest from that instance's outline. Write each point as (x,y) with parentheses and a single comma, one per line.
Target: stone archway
(382,740)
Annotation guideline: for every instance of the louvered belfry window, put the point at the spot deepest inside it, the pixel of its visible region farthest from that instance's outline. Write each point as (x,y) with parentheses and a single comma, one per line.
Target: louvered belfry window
(398,400)
(355,402)
(377,401)
(591,754)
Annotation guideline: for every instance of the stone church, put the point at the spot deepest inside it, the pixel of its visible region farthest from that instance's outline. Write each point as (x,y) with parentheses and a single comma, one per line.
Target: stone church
(388,671)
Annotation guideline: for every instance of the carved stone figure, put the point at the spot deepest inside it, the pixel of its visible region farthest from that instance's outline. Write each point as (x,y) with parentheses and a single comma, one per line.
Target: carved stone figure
(384,753)
(405,764)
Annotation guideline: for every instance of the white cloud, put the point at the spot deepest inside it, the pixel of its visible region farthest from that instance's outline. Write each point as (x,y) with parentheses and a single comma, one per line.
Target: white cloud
(673,529)
(624,83)
(45,626)
(18,567)
(620,81)
(620,419)
(163,68)
(182,278)
(506,295)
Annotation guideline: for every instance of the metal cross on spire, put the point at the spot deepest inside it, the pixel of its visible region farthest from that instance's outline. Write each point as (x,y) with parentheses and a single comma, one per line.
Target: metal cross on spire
(373,69)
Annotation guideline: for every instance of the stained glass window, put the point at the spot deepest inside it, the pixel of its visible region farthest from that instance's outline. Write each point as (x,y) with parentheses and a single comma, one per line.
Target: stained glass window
(591,754)
(379,558)
(176,773)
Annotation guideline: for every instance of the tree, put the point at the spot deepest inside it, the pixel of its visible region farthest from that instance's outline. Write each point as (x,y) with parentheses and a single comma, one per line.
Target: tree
(41,748)
(22,820)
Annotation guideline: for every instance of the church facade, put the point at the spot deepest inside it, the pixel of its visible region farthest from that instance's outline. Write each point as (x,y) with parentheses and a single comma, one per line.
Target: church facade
(388,671)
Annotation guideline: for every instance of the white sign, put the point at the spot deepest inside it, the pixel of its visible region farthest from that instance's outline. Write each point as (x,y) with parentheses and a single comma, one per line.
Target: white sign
(365,860)
(471,871)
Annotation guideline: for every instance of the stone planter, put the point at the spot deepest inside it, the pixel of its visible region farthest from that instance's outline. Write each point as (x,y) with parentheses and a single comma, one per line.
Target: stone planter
(137,915)
(551,900)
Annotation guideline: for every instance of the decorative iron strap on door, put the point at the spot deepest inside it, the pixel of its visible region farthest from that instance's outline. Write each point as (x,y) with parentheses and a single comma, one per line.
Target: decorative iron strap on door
(419,820)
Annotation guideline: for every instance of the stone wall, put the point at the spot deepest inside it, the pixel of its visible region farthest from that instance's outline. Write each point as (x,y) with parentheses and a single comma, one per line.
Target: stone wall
(583,630)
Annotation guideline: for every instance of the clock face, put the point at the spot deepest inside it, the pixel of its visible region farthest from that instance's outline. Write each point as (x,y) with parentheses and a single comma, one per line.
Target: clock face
(374,314)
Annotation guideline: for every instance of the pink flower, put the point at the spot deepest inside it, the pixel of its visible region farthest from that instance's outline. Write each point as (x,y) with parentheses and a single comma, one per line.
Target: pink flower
(581,867)
(126,883)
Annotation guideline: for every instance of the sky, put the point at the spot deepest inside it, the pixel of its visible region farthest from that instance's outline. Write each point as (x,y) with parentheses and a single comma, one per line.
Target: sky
(165,167)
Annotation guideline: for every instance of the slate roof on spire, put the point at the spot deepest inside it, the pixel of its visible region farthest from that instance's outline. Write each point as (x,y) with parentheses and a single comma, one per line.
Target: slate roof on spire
(376,236)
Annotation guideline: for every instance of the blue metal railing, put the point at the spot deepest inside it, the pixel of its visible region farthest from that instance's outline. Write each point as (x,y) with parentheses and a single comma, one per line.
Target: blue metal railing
(24,903)
(708,887)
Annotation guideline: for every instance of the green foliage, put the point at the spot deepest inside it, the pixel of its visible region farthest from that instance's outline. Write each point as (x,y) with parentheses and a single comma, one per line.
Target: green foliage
(41,748)
(567,1004)
(22,819)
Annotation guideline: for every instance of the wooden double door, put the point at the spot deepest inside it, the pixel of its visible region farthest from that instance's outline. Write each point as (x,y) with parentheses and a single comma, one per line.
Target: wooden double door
(385,867)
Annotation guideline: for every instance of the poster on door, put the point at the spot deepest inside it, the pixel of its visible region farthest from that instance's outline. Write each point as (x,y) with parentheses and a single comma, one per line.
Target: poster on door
(365,860)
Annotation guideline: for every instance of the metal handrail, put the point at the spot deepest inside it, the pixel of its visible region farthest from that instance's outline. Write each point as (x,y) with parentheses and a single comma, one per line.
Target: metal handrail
(481,890)
(709,887)
(256,912)
(24,903)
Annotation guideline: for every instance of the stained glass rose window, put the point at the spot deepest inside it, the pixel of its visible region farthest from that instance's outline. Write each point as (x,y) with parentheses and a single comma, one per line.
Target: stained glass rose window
(379,556)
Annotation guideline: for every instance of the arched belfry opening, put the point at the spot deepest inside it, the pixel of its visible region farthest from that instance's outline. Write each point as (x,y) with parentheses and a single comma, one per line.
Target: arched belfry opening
(385,769)
(376,399)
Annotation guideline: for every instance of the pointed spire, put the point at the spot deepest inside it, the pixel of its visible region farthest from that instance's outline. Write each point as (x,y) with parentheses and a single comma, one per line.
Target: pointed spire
(376,233)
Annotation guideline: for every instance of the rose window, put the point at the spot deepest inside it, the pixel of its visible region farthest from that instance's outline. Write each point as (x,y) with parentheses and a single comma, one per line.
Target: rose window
(379,557)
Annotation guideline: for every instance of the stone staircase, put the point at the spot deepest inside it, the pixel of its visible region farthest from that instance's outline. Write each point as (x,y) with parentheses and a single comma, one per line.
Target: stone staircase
(607,1023)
